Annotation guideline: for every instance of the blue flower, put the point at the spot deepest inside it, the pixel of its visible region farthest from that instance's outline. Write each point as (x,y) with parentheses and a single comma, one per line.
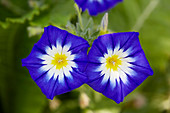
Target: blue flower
(57,61)
(117,65)
(96,6)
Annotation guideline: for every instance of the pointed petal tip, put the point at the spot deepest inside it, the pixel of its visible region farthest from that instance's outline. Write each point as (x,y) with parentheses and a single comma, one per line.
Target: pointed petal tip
(151,72)
(48,96)
(23,62)
(47,27)
(118,102)
(136,33)
(51,97)
(50,27)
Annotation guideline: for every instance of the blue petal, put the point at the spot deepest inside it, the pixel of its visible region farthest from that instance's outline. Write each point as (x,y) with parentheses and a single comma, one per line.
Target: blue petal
(96,6)
(94,53)
(49,84)
(130,40)
(78,47)
(96,84)
(99,47)
(81,60)
(140,67)
(34,70)
(127,40)
(33,57)
(114,94)
(56,35)
(106,40)
(80,2)
(91,71)
(51,36)
(79,78)
(44,41)
(91,6)
(60,88)
(134,80)
(141,61)
(77,43)
(81,56)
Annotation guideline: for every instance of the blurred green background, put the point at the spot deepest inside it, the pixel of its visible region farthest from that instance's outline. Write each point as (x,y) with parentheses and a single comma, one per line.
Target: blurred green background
(21,25)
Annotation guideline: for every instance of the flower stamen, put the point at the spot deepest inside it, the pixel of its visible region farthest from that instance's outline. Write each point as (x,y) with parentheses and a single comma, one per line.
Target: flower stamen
(113,62)
(60,61)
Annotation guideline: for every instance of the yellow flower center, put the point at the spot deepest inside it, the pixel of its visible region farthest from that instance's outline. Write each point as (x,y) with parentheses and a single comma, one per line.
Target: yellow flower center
(113,62)
(60,61)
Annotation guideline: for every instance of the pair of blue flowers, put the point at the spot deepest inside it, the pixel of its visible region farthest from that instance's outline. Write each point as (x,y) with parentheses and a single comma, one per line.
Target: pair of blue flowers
(114,66)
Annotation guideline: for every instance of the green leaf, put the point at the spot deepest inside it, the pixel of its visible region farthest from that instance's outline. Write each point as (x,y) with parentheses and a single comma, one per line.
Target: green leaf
(29,16)
(18,7)
(58,13)
(4,24)
(19,93)
(21,18)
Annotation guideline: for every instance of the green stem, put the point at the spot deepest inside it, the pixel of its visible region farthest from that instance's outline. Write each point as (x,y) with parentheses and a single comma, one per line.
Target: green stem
(79,16)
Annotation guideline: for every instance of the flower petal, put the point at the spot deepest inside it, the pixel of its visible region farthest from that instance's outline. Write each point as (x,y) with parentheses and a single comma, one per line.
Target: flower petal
(34,57)
(132,67)
(56,35)
(57,62)
(76,43)
(96,6)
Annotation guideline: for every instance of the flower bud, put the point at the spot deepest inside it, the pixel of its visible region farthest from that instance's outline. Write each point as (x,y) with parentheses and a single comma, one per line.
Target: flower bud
(84,100)
(104,24)
(54,104)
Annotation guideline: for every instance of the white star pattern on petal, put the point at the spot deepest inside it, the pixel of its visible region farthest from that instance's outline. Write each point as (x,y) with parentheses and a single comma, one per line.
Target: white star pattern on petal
(120,69)
(53,70)
(100,1)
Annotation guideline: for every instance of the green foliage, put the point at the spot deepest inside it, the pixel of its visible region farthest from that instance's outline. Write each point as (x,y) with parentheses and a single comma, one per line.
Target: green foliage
(58,13)
(21,24)
(15,84)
